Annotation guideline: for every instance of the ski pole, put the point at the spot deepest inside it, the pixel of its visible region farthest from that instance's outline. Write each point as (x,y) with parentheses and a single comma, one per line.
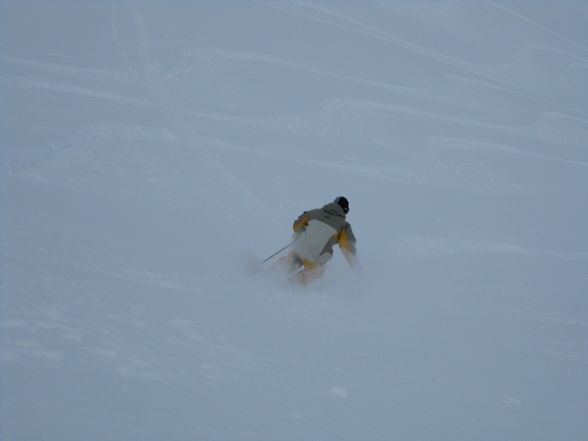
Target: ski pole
(276,253)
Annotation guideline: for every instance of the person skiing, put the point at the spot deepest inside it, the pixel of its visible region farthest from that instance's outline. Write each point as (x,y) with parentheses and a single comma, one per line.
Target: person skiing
(315,233)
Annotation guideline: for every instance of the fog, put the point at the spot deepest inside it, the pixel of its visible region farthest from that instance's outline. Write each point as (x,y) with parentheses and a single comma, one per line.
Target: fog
(153,153)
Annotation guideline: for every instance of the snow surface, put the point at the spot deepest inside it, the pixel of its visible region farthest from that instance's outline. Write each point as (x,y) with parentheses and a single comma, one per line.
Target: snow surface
(152,152)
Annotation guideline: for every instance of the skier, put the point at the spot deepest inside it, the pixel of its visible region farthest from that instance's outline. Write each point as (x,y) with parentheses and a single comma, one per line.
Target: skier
(315,233)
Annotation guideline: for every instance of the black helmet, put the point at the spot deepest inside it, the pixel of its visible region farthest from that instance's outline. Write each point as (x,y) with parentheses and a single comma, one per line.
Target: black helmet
(343,203)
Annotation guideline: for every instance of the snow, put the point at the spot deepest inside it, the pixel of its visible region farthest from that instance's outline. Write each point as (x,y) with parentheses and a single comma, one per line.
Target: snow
(153,152)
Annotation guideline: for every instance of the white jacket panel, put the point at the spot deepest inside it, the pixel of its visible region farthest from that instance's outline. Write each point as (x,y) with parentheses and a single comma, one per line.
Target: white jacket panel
(311,241)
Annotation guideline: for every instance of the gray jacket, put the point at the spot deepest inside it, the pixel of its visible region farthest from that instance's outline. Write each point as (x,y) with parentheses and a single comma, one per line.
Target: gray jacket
(317,231)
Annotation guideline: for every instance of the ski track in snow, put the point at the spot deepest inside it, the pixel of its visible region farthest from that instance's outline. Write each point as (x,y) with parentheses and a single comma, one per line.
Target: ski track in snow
(68,89)
(349,24)
(422,247)
(251,57)
(527,19)
(182,130)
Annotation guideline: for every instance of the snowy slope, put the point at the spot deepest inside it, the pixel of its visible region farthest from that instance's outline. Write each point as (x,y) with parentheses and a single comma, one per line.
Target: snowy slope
(151,151)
